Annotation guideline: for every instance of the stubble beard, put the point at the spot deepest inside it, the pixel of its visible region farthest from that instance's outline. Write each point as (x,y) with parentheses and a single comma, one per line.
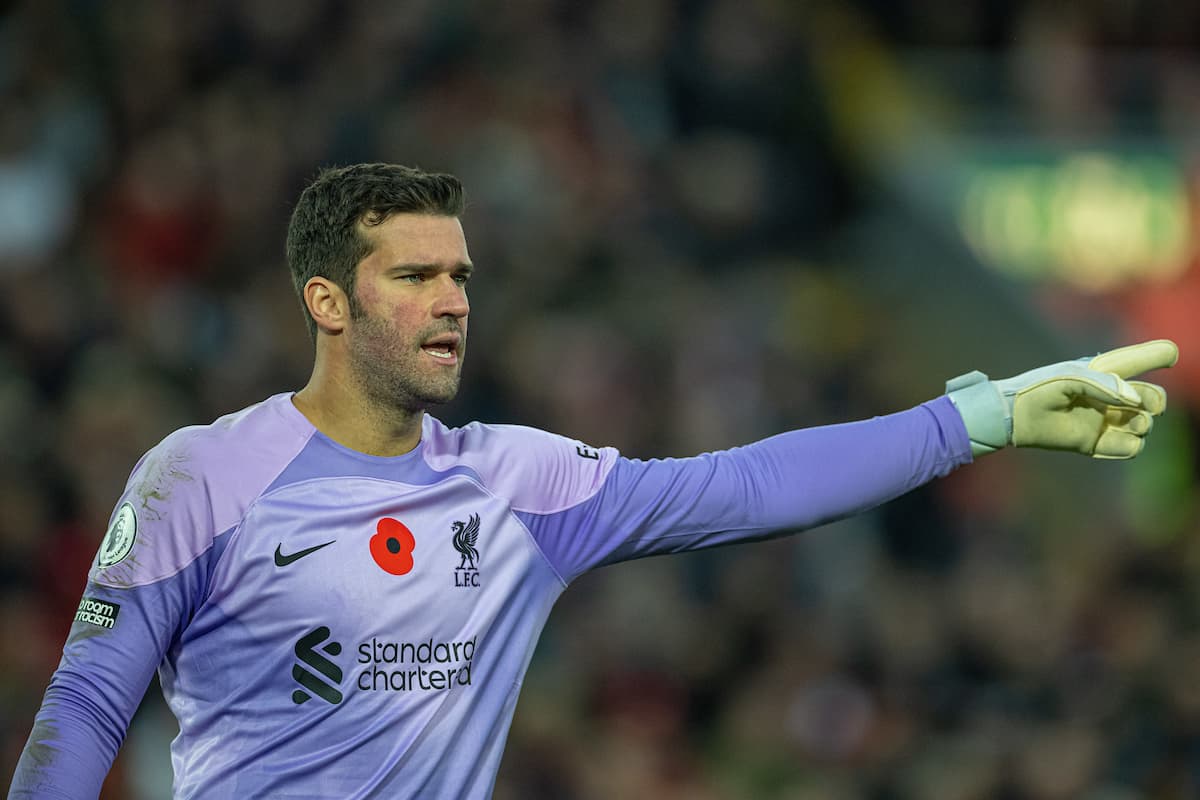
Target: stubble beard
(393,376)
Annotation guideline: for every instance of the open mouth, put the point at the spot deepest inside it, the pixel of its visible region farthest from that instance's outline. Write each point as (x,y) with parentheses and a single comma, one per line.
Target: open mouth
(444,351)
(443,347)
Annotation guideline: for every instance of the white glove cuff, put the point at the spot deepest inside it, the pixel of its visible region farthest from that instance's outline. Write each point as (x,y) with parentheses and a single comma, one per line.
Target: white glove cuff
(986,413)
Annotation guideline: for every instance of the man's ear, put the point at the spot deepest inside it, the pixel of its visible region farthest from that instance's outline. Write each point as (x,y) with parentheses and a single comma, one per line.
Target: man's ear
(328,304)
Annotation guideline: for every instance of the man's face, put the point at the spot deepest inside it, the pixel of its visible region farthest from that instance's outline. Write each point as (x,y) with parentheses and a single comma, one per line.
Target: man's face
(408,336)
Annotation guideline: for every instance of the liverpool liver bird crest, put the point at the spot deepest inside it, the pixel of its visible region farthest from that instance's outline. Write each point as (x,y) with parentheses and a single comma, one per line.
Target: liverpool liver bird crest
(465,536)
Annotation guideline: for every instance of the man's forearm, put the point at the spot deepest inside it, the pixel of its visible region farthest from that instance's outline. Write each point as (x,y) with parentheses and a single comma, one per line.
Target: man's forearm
(71,747)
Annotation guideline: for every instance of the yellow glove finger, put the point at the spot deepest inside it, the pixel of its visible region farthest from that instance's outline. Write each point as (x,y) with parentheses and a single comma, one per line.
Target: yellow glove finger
(1124,433)
(1118,444)
(1154,397)
(1135,359)
(1128,420)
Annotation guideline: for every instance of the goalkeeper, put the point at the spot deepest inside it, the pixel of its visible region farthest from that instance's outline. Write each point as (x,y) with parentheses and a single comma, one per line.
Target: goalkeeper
(341,595)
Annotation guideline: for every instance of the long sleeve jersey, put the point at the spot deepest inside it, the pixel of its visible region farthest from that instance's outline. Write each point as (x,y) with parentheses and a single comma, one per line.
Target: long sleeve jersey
(328,624)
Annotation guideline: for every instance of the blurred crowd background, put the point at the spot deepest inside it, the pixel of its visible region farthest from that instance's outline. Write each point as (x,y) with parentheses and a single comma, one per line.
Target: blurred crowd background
(697,223)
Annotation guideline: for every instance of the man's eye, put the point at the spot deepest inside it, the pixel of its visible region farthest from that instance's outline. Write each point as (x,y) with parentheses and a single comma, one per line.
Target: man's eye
(415,278)
(461,280)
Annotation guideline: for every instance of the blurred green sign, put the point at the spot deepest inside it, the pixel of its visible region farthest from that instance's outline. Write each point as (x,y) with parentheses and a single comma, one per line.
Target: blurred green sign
(1094,220)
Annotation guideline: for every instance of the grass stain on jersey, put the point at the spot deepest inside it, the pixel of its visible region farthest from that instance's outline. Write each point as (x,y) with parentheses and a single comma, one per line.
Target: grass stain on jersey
(39,749)
(159,477)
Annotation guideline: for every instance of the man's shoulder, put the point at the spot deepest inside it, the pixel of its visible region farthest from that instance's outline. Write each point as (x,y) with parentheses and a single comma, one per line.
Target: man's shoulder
(537,470)
(240,431)
(501,440)
(220,447)
(195,485)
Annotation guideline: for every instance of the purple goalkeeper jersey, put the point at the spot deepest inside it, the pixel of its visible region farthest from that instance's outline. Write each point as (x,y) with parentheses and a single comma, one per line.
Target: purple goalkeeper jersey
(328,624)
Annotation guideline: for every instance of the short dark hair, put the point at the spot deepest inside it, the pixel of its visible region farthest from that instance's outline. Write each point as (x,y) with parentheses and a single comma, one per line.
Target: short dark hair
(323,237)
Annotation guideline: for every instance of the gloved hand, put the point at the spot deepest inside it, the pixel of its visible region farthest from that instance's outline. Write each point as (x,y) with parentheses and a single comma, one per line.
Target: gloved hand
(1084,406)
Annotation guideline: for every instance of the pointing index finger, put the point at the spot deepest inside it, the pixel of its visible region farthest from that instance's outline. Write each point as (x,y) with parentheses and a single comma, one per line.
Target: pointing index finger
(1135,359)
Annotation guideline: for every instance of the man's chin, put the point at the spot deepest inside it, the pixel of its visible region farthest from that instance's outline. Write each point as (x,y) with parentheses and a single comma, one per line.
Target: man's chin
(438,396)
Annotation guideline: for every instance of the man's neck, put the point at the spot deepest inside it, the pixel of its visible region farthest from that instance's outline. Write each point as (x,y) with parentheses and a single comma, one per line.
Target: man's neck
(347,417)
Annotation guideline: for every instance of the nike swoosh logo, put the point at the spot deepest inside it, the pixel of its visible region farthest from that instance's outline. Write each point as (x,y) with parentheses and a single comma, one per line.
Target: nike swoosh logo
(282,561)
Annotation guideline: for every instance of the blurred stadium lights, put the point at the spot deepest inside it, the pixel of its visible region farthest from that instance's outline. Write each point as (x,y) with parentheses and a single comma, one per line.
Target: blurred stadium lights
(1093,220)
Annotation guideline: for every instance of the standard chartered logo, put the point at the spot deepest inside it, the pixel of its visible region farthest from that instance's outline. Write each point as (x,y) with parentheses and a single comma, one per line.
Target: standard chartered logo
(306,651)
(427,665)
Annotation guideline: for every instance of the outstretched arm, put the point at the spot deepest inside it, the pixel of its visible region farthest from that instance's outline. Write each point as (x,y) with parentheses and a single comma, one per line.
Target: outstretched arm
(808,477)
(782,484)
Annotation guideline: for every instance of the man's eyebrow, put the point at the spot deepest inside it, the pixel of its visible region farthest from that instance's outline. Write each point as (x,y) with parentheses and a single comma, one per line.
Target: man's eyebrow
(462,267)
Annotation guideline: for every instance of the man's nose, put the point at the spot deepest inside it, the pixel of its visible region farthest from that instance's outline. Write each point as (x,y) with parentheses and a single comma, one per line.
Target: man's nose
(452,299)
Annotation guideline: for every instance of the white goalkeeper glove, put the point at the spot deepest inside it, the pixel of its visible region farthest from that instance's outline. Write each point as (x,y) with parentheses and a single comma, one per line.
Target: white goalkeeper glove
(1085,406)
